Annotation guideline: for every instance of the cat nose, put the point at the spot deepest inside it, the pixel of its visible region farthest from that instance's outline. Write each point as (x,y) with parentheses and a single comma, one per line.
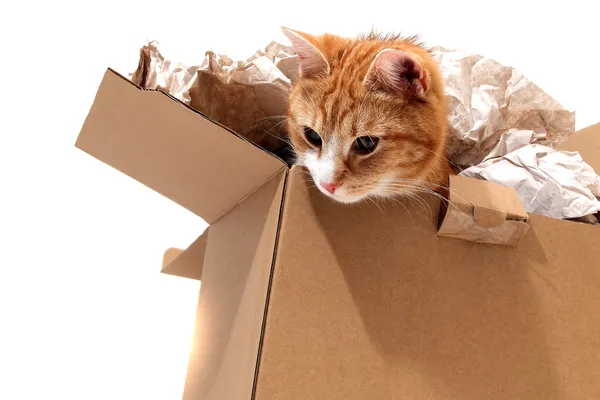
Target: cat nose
(330,187)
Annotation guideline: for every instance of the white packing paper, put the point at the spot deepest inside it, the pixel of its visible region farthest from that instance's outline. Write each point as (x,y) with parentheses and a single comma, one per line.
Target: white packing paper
(557,184)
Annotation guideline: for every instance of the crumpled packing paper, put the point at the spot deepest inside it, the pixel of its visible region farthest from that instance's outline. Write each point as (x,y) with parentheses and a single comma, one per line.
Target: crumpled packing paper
(488,101)
(249,97)
(554,183)
(494,112)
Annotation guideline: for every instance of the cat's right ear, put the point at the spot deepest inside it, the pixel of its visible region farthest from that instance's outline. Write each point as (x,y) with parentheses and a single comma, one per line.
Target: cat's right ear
(312,61)
(397,72)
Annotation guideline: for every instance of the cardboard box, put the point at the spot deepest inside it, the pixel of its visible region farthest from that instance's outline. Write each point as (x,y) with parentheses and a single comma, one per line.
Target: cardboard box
(304,298)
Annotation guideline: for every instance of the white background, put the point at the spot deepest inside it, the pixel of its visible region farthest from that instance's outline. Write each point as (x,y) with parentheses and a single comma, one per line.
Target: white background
(84,312)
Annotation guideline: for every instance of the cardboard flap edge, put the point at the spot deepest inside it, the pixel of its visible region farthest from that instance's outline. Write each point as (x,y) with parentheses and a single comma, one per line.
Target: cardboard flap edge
(586,142)
(172,148)
(186,263)
(484,212)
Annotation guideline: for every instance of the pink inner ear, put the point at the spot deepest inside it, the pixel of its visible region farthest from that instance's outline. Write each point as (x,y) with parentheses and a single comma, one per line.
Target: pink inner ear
(312,62)
(423,80)
(397,71)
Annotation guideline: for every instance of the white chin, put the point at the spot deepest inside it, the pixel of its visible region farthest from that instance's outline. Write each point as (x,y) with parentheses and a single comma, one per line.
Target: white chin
(348,199)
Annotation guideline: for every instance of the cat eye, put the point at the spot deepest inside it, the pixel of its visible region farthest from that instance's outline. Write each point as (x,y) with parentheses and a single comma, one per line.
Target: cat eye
(312,136)
(365,144)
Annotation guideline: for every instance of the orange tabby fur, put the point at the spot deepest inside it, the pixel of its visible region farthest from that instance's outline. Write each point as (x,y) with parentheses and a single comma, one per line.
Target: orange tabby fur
(339,102)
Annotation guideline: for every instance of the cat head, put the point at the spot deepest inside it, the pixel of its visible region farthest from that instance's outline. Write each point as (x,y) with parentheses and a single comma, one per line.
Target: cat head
(367,115)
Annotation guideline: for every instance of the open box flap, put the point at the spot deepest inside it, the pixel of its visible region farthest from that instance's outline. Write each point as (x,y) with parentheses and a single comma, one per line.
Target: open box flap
(587,143)
(173,149)
(487,200)
(483,212)
(237,269)
(186,263)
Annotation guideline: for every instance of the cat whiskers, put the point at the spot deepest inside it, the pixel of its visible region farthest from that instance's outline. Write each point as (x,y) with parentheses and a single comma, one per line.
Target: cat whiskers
(422,202)
(416,198)
(289,143)
(427,185)
(277,136)
(372,200)
(395,200)
(392,197)
(394,186)
(271,117)
(443,157)
(413,194)
(310,181)
(277,125)
(411,187)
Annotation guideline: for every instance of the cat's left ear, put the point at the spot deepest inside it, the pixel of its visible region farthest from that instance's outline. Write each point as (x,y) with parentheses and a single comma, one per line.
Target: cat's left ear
(397,72)
(312,61)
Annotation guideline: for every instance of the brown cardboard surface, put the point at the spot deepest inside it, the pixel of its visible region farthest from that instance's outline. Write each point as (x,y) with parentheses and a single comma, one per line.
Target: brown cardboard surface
(367,304)
(186,263)
(484,212)
(172,149)
(237,269)
(479,194)
(587,143)
(364,301)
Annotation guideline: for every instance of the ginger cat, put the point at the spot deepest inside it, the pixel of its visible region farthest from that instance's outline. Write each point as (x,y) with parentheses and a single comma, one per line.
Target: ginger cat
(368,116)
